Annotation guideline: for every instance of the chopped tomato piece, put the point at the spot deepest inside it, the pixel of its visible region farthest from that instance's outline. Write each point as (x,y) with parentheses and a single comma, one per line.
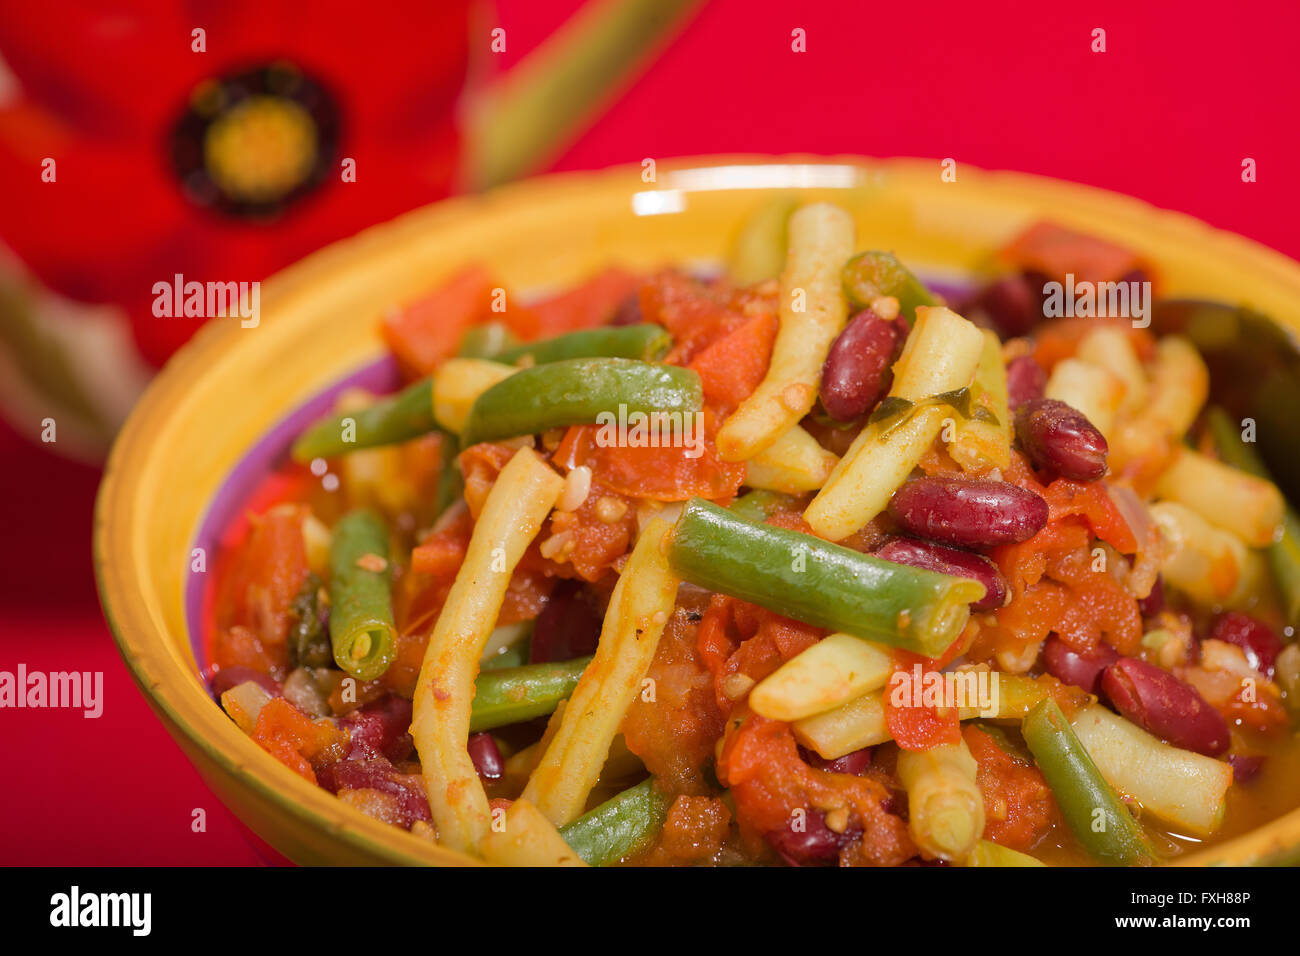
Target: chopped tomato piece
(733,366)
(592,303)
(429,330)
(256,590)
(1019,807)
(673,473)
(1055,251)
(297,741)
(914,722)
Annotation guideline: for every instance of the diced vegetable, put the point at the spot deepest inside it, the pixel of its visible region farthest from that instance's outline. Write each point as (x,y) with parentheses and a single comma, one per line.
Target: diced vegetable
(821,583)
(244,702)
(1099,820)
(835,670)
(576,392)
(621,827)
(361,608)
(792,464)
(459,383)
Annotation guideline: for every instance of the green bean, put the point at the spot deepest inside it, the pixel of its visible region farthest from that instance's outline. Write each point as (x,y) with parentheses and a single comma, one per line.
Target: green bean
(451,483)
(486,341)
(1100,821)
(621,827)
(409,413)
(760,504)
(759,250)
(401,417)
(516,655)
(1284,553)
(577,392)
(361,606)
(645,341)
(820,583)
(512,695)
(870,275)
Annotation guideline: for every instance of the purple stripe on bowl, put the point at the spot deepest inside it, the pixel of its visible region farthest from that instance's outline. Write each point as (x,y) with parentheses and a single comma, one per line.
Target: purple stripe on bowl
(379,376)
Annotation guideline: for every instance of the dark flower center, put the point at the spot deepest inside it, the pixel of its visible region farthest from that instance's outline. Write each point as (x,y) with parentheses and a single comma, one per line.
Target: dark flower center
(254,142)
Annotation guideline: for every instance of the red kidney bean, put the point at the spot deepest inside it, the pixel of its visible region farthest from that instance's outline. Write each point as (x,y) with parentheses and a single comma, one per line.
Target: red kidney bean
(1066,664)
(628,311)
(1060,438)
(857,370)
(855,763)
(1012,304)
(945,560)
(817,845)
(1025,381)
(569,625)
(1153,603)
(1259,642)
(378,774)
(1244,766)
(381,729)
(1160,703)
(486,755)
(229,677)
(968,512)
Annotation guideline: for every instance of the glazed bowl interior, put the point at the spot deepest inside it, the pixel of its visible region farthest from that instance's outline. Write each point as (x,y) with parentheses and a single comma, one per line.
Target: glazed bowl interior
(203,427)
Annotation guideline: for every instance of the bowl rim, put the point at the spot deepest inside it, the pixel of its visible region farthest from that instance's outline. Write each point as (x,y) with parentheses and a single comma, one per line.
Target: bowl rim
(274,782)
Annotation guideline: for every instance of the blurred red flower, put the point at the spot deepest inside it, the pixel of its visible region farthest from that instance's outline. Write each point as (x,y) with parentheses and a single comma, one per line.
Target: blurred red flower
(217,154)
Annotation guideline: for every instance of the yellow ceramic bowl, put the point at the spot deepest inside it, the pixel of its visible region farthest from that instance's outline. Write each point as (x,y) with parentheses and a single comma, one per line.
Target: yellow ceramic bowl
(221,395)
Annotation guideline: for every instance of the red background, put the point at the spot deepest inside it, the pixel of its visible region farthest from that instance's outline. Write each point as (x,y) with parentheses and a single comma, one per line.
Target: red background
(1184,92)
